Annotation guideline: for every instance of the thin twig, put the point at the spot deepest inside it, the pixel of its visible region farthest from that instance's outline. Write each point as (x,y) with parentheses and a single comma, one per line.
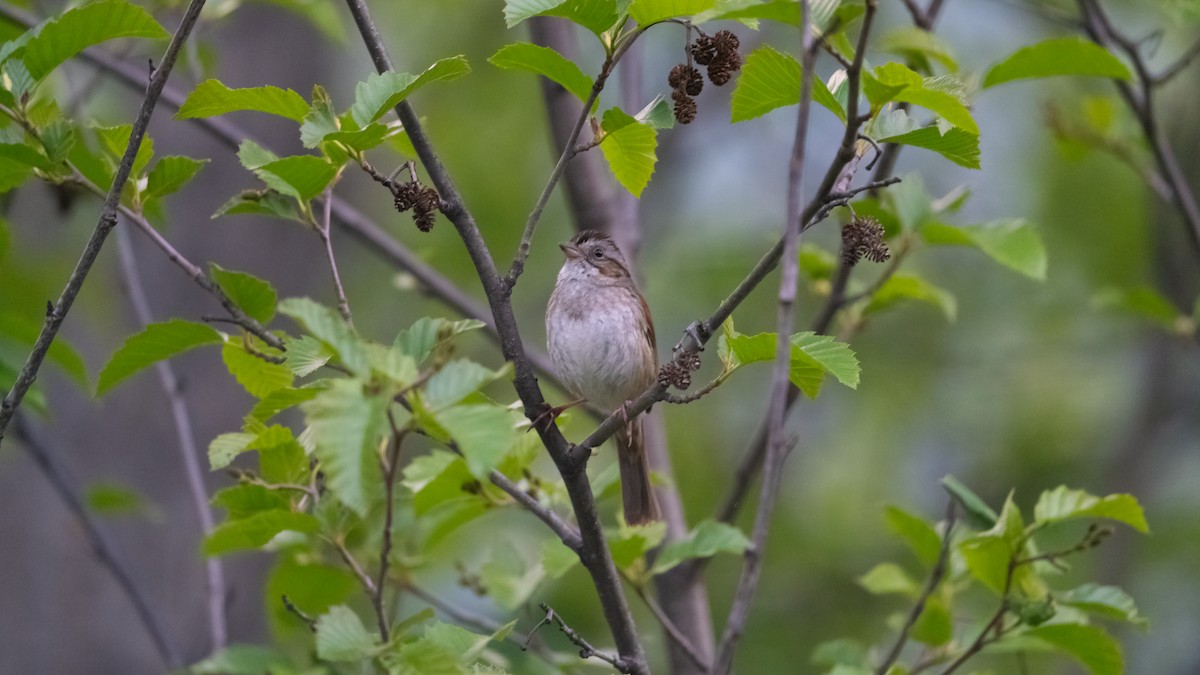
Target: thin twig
(104,551)
(323,229)
(104,224)
(586,650)
(595,555)
(385,549)
(677,637)
(931,584)
(218,630)
(1179,65)
(777,443)
(308,620)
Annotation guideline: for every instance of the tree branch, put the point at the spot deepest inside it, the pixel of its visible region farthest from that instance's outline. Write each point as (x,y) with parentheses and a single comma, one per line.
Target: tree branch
(586,650)
(777,444)
(187,444)
(323,230)
(594,553)
(104,551)
(104,224)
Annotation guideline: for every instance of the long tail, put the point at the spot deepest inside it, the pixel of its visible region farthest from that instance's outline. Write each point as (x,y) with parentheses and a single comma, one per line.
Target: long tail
(636,491)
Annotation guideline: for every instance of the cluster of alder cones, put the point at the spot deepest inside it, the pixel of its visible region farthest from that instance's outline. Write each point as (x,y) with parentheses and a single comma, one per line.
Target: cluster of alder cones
(422,199)
(862,238)
(678,373)
(719,54)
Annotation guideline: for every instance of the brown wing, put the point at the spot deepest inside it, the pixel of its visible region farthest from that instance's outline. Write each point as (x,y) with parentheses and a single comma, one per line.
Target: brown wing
(648,325)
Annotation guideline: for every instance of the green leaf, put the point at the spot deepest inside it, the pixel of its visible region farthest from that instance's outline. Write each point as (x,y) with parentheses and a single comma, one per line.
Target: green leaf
(327,325)
(24,330)
(483,432)
(169,175)
(224,448)
(261,202)
(935,625)
(420,339)
(342,637)
(302,176)
(156,342)
(546,62)
(817,263)
(631,542)
(835,358)
(771,79)
(256,297)
(1090,645)
(979,514)
(81,27)
(392,364)
(918,535)
(24,154)
(255,531)
(629,147)
(841,652)
(919,46)
(242,660)
(1059,56)
(887,578)
(211,98)
(1106,601)
(311,588)
(658,114)
(321,119)
(435,478)
(646,12)
(594,15)
(346,425)
(258,376)
(516,11)
(457,380)
(281,399)
(1142,301)
(812,357)
(780,11)
(704,541)
(58,138)
(509,579)
(380,93)
(252,155)
(306,355)
(1061,504)
(901,287)
(1012,242)
(956,145)
(244,501)
(114,141)
(897,82)
(109,500)
(557,559)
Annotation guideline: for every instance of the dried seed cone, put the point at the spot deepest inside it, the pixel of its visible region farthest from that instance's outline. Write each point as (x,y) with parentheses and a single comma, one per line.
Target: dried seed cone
(719,73)
(704,50)
(863,238)
(407,195)
(425,208)
(725,43)
(685,106)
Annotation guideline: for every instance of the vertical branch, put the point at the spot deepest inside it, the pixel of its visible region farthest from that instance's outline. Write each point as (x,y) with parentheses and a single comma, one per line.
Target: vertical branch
(323,229)
(777,445)
(107,220)
(48,464)
(187,442)
(594,553)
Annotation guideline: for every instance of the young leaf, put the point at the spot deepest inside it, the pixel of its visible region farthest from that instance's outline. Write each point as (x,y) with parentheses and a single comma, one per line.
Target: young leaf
(1059,56)
(1012,242)
(1106,601)
(516,11)
(169,175)
(658,114)
(646,12)
(305,355)
(255,296)
(156,342)
(328,326)
(1061,504)
(919,46)
(224,448)
(342,637)
(255,531)
(629,147)
(310,588)
(420,339)
(259,376)
(918,535)
(243,660)
(346,425)
(20,328)
(546,62)
(1143,301)
(979,514)
(835,358)
(956,145)
(595,15)
(302,176)
(321,119)
(896,82)
(704,541)
(244,501)
(770,79)
(483,433)
(211,98)
(887,578)
(1090,645)
(81,27)
(380,93)
(901,287)
(114,139)
(457,380)
(107,499)
(260,202)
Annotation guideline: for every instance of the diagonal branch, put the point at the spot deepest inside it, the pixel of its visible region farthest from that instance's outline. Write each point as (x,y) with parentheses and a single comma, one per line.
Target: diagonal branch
(101,547)
(104,224)
(594,553)
(777,444)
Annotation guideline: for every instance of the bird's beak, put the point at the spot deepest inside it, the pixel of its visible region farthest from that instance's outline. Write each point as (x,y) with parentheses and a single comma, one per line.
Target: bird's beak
(572,252)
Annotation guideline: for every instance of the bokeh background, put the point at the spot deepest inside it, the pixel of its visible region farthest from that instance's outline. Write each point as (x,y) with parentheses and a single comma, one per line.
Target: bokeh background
(1029,388)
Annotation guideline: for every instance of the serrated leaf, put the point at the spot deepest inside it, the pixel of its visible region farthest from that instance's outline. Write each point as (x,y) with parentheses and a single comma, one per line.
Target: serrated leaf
(327,325)
(1090,645)
(483,433)
(516,11)
(224,448)
(629,148)
(347,425)
(1062,503)
(243,501)
(956,145)
(1106,601)
(704,541)
(305,355)
(310,588)
(302,176)
(156,342)
(595,15)
(435,478)
(771,79)
(24,154)
(901,287)
(211,98)
(1012,242)
(646,12)
(392,364)
(631,542)
(320,121)
(420,339)
(457,380)
(545,62)
(341,636)
(256,297)
(252,155)
(896,82)
(242,660)
(918,535)
(918,45)
(114,141)
(79,28)
(260,202)
(256,531)
(170,174)
(887,578)
(658,114)
(1058,56)
(380,93)
(258,376)
(835,358)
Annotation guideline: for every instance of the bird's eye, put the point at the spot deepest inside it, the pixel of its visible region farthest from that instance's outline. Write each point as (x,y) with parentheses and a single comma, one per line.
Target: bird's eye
(597,254)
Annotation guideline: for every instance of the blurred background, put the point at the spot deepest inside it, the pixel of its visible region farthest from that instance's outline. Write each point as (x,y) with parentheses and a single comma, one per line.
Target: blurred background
(1030,387)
